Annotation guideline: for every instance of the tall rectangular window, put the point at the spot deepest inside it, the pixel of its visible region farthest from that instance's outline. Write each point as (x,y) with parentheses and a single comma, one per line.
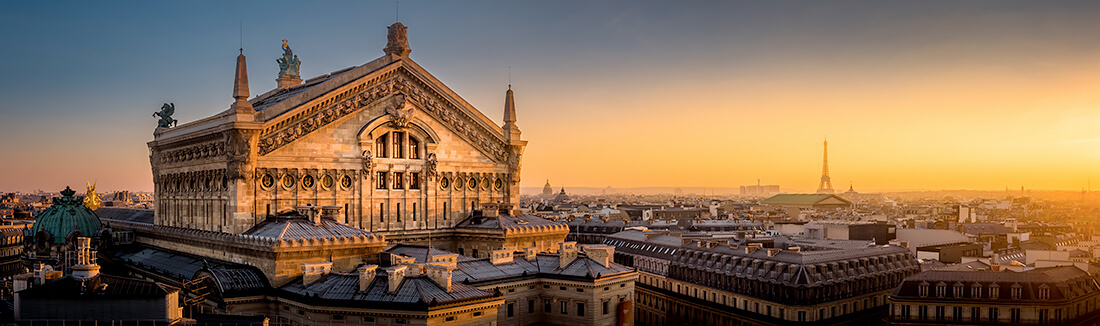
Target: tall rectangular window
(380,146)
(398,144)
(414,180)
(564,308)
(414,148)
(399,212)
(605,310)
(530,306)
(545,305)
(381,212)
(580,309)
(398,180)
(414,212)
(975,314)
(511,310)
(381,180)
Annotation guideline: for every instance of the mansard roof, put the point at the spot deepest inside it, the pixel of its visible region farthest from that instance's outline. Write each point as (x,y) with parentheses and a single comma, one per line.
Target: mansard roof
(816,262)
(1063,282)
(544,265)
(508,222)
(231,278)
(474,270)
(117,288)
(806,199)
(414,292)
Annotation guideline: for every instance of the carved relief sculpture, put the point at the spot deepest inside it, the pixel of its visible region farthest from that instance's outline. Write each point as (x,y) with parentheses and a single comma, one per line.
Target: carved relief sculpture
(367,160)
(400,111)
(429,166)
(237,148)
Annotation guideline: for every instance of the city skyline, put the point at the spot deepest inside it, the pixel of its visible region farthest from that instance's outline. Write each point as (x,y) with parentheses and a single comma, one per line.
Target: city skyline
(911,96)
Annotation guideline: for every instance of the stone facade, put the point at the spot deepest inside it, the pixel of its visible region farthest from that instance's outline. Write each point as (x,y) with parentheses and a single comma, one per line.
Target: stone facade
(386,141)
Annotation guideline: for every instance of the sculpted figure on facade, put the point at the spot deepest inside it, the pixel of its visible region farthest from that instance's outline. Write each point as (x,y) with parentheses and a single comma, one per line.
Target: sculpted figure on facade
(400,111)
(367,160)
(430,165)
(165,115)
(237,150)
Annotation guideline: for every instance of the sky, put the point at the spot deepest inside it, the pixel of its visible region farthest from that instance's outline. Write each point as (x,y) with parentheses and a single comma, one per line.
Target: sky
(911,95)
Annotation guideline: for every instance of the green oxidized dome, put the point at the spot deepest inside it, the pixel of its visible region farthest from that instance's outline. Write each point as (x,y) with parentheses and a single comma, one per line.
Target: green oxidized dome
(67,214)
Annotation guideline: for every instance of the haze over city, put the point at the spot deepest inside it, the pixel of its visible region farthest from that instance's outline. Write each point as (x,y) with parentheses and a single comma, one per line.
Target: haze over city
(975,95)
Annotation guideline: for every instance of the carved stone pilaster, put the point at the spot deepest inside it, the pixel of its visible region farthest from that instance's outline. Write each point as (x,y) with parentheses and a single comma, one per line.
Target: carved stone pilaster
(238,152)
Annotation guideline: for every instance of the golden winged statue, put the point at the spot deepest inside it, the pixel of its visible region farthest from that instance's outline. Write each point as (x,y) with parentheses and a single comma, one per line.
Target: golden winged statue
(91,200)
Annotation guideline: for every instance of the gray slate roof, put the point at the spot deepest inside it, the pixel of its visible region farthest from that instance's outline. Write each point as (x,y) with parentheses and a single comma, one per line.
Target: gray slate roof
(298,228)
(134,215)
(413,289)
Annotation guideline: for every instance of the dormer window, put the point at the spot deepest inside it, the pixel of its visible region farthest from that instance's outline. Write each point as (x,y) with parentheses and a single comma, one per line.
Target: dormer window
(923,289)
(958,290)
(994,291)
(1016,291)
(1044,292)
(941,289)
(976,291)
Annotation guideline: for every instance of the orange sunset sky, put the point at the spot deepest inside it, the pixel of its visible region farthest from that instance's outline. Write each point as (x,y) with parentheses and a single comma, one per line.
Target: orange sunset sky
(975,95)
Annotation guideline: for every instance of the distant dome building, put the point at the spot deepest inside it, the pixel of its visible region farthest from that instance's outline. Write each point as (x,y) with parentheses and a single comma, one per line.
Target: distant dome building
(561,197)
(57,228)
(547,191)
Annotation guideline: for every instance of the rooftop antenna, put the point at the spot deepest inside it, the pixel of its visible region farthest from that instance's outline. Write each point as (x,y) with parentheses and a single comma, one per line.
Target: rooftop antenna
(509,77)
(396,11)
(242,37)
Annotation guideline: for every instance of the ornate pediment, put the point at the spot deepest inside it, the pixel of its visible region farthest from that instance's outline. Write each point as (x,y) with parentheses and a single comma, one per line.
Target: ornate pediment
(407,91)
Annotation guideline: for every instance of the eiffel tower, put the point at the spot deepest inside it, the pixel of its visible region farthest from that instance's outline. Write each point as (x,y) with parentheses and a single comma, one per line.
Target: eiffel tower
(826,186)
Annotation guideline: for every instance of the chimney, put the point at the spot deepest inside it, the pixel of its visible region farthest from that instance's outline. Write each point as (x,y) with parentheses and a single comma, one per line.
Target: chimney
(600,253)
(366,276)
(567,253)
(310,212)
(395,274)
(441,274)
(490,210)
(313,271)
(773,251)
(501,256)
(86,267)
(330,213)
(530,253)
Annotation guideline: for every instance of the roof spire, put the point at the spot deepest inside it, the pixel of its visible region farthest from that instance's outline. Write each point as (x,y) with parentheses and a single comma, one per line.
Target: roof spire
(240,86)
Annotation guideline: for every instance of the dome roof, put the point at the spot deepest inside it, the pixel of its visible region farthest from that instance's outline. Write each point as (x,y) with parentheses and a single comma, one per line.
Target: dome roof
(67,214)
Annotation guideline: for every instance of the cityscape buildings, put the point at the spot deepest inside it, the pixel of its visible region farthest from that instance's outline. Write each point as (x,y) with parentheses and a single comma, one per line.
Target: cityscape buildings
(376,195)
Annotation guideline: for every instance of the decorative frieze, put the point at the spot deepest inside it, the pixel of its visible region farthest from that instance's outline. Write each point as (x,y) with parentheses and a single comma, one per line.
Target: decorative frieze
(407,90)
